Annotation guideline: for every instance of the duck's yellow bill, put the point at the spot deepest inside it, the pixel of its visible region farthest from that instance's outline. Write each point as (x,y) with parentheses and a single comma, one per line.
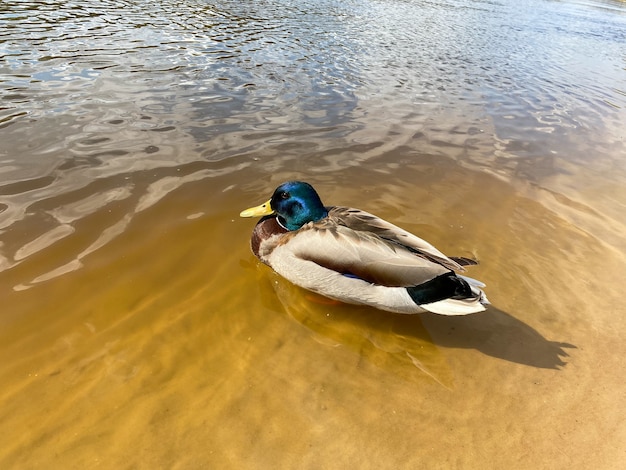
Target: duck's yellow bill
(258,211)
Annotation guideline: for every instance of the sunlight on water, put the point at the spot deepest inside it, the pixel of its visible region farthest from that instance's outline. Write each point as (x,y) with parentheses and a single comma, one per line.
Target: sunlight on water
(138,329)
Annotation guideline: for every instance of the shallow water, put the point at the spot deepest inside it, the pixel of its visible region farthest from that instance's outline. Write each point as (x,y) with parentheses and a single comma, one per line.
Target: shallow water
(138,330)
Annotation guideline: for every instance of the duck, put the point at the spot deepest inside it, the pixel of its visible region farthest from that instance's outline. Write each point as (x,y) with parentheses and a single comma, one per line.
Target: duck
(355,257)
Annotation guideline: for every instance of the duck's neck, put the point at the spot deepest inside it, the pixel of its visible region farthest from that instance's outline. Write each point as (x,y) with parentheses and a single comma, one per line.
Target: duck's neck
(301,217)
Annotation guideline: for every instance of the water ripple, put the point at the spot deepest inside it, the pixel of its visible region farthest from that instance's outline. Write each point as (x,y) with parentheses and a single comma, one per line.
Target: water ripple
(94,94)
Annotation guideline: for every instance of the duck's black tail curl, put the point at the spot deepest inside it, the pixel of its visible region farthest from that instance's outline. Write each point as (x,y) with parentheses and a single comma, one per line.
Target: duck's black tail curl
(445,286)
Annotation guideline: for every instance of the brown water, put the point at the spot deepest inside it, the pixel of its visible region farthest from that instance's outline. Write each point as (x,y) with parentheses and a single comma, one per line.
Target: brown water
(137,329)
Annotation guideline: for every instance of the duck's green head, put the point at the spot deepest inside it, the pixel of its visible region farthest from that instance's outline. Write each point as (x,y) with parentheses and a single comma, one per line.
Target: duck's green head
(295,203)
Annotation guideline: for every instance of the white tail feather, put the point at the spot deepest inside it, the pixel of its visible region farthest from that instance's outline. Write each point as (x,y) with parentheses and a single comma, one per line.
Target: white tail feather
(455,307)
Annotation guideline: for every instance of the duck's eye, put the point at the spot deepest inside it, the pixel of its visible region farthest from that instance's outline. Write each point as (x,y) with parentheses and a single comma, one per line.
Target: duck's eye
(284,195)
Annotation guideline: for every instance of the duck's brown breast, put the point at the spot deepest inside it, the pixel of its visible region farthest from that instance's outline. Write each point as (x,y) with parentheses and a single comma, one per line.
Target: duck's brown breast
(264,229)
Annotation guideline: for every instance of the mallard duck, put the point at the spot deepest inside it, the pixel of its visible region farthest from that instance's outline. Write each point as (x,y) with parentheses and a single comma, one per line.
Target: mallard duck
(355,257)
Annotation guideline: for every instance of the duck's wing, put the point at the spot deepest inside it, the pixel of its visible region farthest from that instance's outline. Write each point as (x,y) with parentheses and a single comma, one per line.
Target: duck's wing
(342,251)
(364,222)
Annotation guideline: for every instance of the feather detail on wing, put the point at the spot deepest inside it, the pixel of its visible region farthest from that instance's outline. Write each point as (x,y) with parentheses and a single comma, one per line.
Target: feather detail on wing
(363,255)
(361,221)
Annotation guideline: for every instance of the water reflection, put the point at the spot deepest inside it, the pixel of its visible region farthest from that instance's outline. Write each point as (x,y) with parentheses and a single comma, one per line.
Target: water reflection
(389,341)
